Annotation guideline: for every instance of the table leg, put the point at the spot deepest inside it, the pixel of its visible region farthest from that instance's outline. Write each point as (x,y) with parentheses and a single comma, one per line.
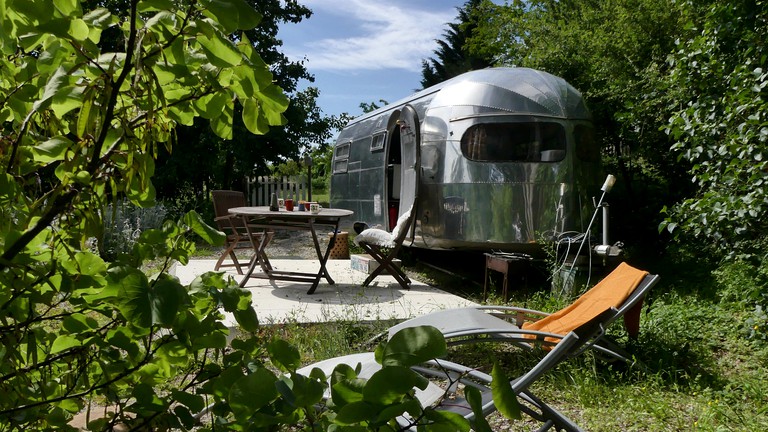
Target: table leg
(323,272)
(260,255)
(485,281)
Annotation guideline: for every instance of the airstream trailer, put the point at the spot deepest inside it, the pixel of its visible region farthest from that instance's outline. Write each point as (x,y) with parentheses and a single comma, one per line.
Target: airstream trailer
(496,158)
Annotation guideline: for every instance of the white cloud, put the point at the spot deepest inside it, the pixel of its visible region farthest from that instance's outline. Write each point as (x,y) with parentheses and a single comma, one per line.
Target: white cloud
(382,35)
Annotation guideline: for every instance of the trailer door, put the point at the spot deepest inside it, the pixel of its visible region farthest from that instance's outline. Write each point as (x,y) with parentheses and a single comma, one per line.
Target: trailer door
(410,138)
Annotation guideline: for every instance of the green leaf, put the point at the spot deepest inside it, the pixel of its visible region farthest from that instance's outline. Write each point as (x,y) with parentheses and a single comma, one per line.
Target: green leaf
(52,149)
(145,305)
(209,234)
(252,117)
(413,345)
(66,100)
(185,417)
(253,392)
(219,50)
(307,391)
(475,399)
(388,385)
(147,399)
(86,116)
(284,355)
(65,342)
(141,192)
(101,18)
(166,297)
(133,293)
(215,340)
(411,406)
(90,264)
(67,7)
(208,280)
(55,84)
(156,5)
(446,421)
(273,98)
(79,323)
(210,106)
(356,412)
(78,29)
(222,385)
(232,14)
(222,125)
(247,318)
(504,397)
(284,386)
(70,405)
(182,114)
(233,298)
(122,338)
(347,390)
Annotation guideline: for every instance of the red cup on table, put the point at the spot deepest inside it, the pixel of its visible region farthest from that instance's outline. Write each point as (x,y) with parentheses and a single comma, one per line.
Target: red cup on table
(289,204)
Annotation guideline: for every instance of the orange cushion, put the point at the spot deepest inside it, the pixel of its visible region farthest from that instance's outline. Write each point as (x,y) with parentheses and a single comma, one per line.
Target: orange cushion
(612,291)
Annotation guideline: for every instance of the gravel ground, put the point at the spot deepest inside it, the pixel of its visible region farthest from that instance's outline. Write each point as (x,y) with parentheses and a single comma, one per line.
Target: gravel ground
(292,244)
(296,244)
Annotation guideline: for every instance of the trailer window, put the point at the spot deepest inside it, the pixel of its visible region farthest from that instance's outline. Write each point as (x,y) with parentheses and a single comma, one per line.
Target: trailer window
(341,158)
(377,142)
(514,142)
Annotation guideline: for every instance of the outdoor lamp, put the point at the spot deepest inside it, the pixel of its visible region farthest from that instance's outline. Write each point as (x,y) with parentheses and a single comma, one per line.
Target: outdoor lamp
(609,181)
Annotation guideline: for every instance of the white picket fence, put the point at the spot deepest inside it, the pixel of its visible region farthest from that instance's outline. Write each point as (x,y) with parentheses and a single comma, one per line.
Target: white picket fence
(260,188)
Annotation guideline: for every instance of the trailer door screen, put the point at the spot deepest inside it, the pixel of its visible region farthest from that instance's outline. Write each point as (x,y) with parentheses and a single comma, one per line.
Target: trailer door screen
(514,142)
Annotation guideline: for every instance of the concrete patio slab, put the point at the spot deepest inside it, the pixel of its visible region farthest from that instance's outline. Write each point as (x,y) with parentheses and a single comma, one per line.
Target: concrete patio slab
(346,300)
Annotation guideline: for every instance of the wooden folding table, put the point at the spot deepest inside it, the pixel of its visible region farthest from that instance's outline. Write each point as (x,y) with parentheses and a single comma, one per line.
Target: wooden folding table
(262,218)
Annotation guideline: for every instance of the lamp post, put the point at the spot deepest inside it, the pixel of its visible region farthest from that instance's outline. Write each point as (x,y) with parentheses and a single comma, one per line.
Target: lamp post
(308,164)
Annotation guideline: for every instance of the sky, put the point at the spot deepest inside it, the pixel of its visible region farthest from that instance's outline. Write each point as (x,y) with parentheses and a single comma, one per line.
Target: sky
(366,50)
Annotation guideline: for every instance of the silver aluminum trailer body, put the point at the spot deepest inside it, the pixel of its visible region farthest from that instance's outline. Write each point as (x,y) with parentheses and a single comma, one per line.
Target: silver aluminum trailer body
(498,159)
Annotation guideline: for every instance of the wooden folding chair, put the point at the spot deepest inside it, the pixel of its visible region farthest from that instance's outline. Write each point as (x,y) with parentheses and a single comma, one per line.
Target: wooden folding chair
(234,228)
(383,247)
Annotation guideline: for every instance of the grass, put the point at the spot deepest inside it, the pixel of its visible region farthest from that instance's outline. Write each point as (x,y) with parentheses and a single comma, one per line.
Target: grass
(703,373)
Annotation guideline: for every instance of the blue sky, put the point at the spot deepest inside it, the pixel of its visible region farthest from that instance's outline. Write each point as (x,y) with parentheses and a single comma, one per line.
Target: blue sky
(366,50)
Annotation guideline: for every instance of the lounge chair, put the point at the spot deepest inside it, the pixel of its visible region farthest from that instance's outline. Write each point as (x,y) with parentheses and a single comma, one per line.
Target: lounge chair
(624,289)
(446,379)
(383,247)
(234,228)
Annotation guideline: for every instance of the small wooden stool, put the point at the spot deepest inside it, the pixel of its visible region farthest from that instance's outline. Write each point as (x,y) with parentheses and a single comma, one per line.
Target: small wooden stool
(501,263)
(340,249)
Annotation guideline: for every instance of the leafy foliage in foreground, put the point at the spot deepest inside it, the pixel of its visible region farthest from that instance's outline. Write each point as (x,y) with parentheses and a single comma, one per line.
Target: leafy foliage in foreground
(81,126)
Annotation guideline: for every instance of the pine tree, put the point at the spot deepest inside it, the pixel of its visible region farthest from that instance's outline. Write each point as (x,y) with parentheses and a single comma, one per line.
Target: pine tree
(451,57)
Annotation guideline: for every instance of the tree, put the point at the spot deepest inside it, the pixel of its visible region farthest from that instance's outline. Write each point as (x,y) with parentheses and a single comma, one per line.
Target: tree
(372,106)
(720,128)
(183,178)
(453,58)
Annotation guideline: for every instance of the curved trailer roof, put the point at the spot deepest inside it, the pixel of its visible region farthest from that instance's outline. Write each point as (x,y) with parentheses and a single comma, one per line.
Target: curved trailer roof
(495,90)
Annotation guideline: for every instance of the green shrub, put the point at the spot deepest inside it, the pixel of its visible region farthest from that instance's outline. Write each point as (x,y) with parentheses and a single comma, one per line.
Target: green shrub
(123,224)
(756,325)
(745,286)
(742,282)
